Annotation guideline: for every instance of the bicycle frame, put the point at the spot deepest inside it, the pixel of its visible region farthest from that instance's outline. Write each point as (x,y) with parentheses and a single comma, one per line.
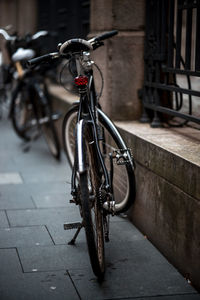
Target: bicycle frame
(88,116)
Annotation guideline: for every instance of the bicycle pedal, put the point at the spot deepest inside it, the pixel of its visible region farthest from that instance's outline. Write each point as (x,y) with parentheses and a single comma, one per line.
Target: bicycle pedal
(68,226)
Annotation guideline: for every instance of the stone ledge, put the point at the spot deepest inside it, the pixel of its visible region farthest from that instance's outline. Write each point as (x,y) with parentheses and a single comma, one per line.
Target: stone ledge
(172,153)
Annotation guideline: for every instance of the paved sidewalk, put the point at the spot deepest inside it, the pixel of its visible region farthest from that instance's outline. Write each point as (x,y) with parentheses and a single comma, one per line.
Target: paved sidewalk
(35,260)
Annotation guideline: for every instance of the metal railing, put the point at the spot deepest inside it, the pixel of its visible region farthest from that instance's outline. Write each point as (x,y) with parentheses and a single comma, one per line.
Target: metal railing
(172,62)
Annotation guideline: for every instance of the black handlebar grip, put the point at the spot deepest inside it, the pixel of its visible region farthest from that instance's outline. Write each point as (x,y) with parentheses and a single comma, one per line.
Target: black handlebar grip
(44,58)
(106,35)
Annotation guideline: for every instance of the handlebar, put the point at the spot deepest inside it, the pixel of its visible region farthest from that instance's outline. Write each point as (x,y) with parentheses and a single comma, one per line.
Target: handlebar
(38,34)
(103,36)
(94,42)
(35,36)
(6,36)
(44,58)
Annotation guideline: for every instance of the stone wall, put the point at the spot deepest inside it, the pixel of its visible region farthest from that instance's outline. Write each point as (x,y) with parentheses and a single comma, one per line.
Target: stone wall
(21,14)
(121,59)
(167,206)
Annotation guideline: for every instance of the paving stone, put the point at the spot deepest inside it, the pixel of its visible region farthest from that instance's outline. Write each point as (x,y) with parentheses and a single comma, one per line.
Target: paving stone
(38,149)
(57,257)
(10,178)
(30,217)
(3,219)
(119,231)
(44,188)
(141,253)
(49,200)
(24,236)
(9,262)
(37,286)
(9,136)
(46,175)
(61,236)
(37,167)
(38,156)
(133,269)
(123,231)
(15,199)
(7,163)
(127,282)
(171,297)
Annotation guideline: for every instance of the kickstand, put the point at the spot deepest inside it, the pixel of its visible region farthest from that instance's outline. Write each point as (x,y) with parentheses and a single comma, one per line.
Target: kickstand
(76,225)
(72,242)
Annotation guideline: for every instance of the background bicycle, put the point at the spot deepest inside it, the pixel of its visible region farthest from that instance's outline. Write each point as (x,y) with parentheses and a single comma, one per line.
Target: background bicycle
(6,74)
(30,103)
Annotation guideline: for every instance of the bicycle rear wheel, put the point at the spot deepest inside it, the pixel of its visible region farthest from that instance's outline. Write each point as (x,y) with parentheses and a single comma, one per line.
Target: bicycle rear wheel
(92,212)
(124,177)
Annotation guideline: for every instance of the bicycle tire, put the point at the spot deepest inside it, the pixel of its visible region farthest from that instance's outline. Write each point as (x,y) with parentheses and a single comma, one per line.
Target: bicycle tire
(22,114)
(124,185)
(50,134)
(91,208)
(49,128)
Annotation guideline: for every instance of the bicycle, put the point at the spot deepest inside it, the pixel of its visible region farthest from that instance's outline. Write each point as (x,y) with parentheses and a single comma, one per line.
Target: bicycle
(6,82)
(30,110)
(92,144)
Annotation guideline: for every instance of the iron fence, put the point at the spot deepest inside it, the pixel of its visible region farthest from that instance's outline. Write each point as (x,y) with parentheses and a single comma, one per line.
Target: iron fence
(172,62)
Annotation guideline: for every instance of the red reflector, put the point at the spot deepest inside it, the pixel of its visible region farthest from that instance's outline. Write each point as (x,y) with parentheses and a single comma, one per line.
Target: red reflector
(81,80)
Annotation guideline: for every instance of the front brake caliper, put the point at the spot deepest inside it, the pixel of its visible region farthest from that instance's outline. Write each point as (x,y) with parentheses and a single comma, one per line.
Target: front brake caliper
(123,156)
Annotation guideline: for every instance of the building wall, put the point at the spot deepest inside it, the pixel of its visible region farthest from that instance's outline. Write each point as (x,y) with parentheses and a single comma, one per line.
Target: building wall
(21,14)
(17,16)
(121,59)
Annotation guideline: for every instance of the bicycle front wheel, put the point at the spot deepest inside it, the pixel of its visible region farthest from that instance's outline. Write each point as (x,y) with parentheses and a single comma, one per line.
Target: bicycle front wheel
(109,141)
(92,212)
(23,117)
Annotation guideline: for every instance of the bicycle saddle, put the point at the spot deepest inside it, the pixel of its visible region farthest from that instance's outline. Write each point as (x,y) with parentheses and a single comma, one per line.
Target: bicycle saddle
(23,54)
(75,45)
